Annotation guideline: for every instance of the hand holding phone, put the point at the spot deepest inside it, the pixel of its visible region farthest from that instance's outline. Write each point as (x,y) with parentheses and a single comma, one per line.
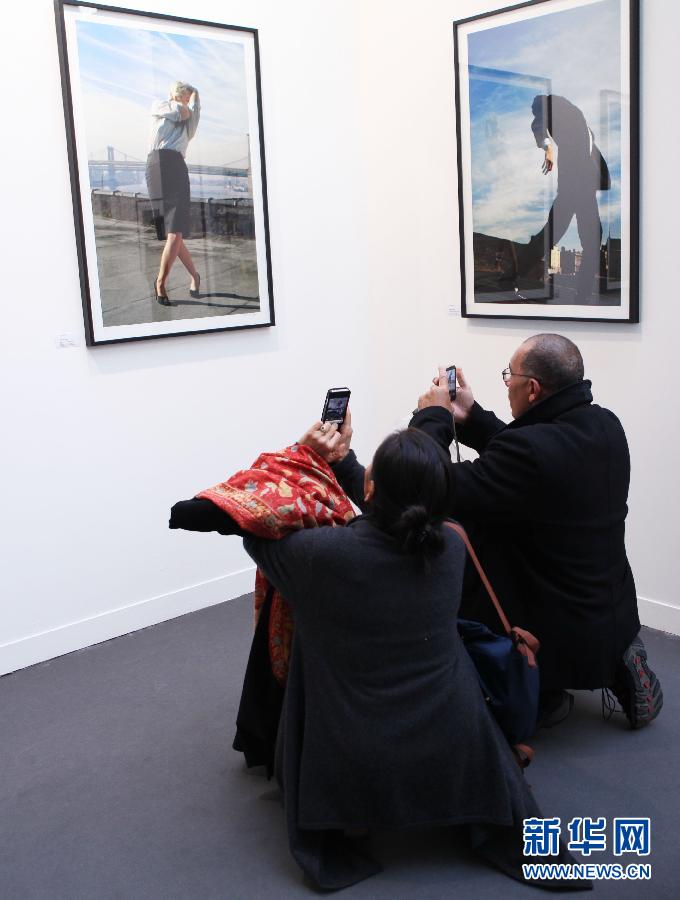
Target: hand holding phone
(447,378)
(331,444)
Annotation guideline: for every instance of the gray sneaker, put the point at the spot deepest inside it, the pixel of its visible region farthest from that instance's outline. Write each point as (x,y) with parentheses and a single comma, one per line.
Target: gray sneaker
(636,687)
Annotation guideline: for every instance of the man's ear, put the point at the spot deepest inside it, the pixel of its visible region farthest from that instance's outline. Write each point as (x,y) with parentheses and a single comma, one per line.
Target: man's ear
(369,490)
(536,392)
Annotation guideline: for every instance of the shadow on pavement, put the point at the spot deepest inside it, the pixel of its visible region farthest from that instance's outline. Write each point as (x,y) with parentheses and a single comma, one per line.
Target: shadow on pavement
(205,301)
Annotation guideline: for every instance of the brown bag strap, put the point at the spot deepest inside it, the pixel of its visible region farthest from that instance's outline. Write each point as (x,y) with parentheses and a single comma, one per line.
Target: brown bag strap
(462,534)
(526,643)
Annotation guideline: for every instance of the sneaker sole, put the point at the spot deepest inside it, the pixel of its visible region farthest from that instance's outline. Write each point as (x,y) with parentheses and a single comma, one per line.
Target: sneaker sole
(644,687)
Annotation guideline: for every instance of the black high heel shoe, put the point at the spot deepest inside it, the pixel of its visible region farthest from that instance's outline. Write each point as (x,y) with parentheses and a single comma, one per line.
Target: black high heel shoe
(163,299)
(196,293)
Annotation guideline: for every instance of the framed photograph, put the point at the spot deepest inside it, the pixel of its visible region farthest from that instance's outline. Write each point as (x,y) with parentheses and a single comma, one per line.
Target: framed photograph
(166,154)
(547,124)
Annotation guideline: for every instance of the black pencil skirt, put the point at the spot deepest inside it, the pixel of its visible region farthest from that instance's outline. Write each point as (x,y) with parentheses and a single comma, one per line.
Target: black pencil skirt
(167,180)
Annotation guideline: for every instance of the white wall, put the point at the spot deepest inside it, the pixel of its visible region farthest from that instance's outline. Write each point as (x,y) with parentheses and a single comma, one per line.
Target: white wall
(360,143)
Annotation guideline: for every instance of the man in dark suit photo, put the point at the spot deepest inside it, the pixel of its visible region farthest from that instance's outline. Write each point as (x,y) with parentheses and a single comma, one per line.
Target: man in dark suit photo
(581,172)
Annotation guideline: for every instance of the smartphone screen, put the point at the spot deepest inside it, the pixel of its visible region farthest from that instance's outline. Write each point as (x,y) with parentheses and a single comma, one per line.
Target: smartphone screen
(451,377)
(335,407)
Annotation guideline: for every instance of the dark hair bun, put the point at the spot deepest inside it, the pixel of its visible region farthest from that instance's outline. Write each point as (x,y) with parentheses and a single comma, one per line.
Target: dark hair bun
(417,533)
(413,517)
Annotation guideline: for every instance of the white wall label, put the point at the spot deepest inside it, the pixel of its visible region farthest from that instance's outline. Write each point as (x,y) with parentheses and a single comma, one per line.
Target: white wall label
(66,340)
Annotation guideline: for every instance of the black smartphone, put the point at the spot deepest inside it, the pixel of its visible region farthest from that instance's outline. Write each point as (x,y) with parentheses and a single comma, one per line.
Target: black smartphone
(451,379)
(335,407)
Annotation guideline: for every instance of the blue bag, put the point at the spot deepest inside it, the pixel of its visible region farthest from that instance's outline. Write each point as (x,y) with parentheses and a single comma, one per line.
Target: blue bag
(506,664)
(509,684)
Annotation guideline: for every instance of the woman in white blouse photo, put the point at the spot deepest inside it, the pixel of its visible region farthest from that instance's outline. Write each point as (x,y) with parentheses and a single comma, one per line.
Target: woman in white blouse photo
(174,123)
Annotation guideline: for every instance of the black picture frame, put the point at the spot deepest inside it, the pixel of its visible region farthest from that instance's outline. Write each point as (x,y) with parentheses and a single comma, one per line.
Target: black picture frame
(129,193)
(520,71)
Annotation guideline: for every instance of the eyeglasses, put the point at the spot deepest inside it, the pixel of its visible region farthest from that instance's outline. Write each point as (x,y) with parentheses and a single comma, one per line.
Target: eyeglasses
(506,375)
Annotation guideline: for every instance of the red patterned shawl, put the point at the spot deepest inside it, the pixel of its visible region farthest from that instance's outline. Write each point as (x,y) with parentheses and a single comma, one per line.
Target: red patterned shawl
(281,492)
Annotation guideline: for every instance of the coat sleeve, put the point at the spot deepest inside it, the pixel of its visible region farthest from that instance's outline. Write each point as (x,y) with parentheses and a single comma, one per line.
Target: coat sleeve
(350,475)
(499,485)
(286,563)
(202,515)
(480,427)
(435,421)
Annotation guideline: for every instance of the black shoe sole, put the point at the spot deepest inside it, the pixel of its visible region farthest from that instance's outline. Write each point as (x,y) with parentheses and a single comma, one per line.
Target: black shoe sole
(557,714)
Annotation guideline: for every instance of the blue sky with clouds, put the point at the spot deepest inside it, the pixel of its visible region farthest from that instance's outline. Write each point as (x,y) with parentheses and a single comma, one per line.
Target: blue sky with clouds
(575,53)
(123,70)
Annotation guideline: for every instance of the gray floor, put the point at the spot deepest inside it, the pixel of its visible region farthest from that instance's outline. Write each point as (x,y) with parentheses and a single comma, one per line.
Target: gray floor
(128,258)
(117,780)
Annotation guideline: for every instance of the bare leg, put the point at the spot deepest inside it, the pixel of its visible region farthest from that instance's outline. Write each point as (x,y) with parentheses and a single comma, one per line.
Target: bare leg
(170,251)
(188,263)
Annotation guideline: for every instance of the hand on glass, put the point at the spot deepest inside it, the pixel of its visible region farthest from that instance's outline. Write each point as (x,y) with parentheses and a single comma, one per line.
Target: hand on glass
(549,160)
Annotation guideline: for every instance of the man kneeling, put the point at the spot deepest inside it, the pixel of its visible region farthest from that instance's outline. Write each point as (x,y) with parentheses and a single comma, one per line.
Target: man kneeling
(545,506)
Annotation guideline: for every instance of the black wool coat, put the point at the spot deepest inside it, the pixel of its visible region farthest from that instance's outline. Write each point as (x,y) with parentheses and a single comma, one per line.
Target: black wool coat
(384,722)
(546,503)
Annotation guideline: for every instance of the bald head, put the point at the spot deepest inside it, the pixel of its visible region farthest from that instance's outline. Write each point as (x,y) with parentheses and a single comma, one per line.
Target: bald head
(553,360)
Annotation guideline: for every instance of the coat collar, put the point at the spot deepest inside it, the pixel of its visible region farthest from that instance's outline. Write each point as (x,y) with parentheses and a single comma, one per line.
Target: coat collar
(577,394)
